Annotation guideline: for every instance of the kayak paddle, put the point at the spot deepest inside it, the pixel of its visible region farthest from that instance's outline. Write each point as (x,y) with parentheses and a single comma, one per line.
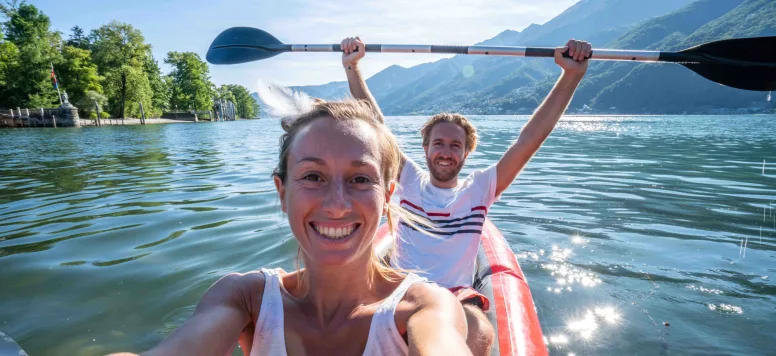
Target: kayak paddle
(743,63)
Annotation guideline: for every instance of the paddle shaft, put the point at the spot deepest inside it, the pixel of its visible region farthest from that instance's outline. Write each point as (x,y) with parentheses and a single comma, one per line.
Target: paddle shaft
(743,63)
(598,54)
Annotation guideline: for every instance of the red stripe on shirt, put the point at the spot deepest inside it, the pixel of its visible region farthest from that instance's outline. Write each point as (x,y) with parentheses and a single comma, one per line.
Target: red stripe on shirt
(480,208)
(421,209)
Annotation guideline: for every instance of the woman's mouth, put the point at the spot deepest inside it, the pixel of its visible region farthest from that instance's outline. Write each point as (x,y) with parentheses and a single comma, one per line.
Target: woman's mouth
(335,232)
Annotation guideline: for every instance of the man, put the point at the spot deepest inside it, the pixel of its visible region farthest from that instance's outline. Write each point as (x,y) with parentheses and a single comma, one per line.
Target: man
(458,207)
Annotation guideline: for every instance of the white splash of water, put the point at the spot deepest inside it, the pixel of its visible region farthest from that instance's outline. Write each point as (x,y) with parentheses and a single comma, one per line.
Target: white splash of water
(763,167)
(769,96)
(741,248)
(746,242)
(283,102)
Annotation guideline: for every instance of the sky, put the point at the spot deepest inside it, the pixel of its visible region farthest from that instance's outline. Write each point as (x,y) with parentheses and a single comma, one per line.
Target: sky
(191,25)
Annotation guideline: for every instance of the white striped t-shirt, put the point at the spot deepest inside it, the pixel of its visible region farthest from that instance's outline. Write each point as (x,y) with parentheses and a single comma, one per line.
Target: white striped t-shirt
(447,258)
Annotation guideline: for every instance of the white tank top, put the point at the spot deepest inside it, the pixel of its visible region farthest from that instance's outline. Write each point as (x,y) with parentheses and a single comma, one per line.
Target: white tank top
(383,339)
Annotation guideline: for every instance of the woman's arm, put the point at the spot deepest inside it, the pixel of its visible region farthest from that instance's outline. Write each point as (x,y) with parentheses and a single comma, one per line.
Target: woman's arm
(356,82)
(219,319)
(438,327)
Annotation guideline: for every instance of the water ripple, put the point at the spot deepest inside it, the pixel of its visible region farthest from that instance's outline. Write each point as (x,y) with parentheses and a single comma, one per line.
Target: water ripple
(638,234)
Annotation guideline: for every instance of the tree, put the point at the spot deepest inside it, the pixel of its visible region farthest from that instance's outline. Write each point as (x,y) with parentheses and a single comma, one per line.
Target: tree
(190,77)
(28,77)
(9,59)
(160,99)
(245,105)
(78,74)
(86,103)
(120,52)
(224,93)
(78,39)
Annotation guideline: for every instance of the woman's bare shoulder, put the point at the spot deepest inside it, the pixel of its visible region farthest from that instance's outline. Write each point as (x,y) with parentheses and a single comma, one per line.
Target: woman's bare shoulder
(242,290)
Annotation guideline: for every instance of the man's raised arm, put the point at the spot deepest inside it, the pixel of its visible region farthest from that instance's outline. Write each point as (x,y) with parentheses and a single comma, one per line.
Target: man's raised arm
(356,82)
(546,116)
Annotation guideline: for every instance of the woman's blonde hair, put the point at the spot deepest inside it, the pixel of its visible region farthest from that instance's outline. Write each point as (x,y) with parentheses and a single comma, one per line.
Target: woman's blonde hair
(351,110)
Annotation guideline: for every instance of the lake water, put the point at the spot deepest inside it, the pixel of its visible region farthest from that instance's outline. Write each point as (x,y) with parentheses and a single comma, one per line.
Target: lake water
(110,235)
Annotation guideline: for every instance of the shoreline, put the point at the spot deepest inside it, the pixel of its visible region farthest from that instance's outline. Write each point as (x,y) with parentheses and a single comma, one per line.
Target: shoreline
(134,121)
(11,123)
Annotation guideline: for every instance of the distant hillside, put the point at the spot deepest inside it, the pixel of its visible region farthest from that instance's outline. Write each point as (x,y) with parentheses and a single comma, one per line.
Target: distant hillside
(433,86)
(673,89)
(649,35)
(481,85)
(622,87)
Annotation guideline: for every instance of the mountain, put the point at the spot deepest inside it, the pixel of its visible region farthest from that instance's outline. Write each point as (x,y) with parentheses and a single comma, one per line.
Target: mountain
(483,84)
(672,89)
(652,34)
(433,86)
(587,19)
(625,87)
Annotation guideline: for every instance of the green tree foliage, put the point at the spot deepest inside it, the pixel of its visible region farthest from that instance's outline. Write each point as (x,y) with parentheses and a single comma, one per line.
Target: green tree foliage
(86,103)
(190,79)
(120,52)
(160,98)
(112,66)
(28,76)
(223,93)
(78,74)
(245,105)
(9,59)
(78,39)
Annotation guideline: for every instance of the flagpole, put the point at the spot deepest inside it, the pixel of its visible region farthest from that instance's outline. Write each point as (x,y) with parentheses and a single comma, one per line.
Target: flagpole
(56,84)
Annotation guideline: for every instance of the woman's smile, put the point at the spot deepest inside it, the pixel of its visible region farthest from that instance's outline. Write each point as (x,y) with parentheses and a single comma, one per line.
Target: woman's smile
(335,232)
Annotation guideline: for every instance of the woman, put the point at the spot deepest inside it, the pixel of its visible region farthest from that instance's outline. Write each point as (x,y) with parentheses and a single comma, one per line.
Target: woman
(334,181)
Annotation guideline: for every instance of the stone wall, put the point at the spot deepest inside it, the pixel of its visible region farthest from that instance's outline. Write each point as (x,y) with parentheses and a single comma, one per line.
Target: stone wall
(66,116)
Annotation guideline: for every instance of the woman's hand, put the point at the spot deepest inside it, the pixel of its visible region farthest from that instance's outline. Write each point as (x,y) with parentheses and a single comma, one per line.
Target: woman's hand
(350,57)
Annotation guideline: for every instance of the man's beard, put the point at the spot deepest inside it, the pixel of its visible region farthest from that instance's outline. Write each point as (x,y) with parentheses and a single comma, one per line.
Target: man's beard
(446,175)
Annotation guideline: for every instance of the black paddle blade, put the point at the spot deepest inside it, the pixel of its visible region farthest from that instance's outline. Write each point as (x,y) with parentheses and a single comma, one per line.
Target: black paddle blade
(740,77)
(244,44)
(745,63)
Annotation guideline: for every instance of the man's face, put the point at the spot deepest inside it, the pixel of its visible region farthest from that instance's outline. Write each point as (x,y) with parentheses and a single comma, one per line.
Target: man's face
(446,152)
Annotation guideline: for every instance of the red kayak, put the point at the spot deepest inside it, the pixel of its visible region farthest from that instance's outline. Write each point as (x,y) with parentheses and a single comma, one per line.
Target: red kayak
(498,276)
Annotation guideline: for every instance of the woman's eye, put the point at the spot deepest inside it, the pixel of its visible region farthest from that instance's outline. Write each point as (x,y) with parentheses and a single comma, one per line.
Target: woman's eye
(361,180)
(313,178)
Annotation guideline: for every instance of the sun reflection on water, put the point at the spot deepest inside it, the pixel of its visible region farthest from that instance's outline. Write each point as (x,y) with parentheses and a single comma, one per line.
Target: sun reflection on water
(578,240)
(595,321)
(704,290)
(726,308)
(592,319)
(608,314)
(567,275)
(585,326)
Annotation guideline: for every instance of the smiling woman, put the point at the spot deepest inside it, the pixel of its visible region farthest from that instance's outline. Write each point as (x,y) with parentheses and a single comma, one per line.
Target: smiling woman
(334,181)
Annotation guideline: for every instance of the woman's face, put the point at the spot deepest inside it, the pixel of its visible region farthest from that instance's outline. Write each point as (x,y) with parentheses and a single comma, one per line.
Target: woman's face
(334,195)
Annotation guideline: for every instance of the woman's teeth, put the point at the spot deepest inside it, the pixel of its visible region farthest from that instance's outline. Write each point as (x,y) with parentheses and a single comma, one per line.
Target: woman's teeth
(335,233)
